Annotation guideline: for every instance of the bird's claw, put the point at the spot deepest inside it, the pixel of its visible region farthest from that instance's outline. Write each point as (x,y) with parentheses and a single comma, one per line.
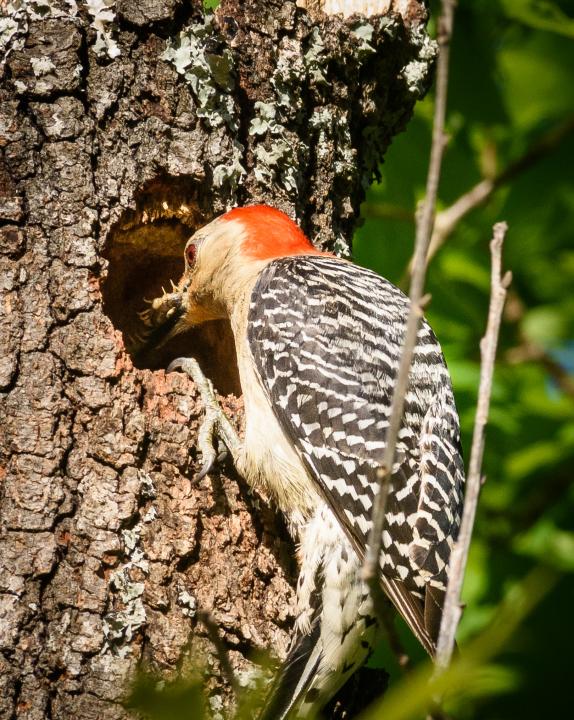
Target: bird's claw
(222,452)
(212,459)
(179,364)
(206,468)
(215,427)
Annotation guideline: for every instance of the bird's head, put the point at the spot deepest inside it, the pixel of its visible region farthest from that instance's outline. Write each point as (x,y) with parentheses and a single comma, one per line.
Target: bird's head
(222,260)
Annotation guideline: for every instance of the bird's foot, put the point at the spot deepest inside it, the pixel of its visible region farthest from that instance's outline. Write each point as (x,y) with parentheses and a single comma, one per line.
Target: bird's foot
(216,429)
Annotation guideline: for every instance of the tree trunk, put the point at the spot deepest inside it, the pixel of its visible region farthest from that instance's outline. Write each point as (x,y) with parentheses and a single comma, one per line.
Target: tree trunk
(123,127)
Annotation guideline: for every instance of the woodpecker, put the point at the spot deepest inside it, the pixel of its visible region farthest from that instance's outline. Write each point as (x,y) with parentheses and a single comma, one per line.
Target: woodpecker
(318,342)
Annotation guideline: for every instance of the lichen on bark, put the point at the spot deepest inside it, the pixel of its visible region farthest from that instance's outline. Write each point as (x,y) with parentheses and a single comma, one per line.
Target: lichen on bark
(123,127)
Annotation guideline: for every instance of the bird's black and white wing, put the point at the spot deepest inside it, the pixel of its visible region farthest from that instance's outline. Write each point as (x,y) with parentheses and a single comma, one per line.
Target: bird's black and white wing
(326,340)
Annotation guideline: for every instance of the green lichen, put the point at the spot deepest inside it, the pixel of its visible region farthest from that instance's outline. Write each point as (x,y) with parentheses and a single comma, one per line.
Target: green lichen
(278,162)
(210,75)
(232,173)
(264,121)
(332,126)
(288,77)
(316,57)
(279,153)
(364,32)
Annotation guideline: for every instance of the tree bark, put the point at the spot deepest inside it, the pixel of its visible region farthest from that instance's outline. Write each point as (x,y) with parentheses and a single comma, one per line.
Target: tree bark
(123,127)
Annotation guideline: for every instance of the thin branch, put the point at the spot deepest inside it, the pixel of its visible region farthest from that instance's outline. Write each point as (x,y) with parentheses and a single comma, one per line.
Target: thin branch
(452,609)
(529,351)
(447,220)
(221,651)
(371,568)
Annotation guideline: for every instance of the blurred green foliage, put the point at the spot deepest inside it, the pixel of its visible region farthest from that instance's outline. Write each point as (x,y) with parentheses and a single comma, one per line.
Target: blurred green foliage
(157,700)
(511,86)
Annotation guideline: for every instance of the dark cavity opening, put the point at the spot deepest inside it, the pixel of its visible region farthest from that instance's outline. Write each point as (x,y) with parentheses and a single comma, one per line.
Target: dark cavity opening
(144,250)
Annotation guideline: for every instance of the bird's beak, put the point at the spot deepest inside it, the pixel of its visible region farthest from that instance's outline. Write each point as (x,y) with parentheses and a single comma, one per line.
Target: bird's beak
(162,319)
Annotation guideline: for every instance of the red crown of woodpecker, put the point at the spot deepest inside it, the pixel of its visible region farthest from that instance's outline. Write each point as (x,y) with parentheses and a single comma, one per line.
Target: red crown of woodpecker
(270,233)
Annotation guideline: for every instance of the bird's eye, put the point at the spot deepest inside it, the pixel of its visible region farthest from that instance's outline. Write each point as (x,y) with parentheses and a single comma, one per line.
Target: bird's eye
(190,254)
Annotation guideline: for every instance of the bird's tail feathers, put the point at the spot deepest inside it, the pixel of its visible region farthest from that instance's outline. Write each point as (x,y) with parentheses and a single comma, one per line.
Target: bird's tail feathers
(295,675)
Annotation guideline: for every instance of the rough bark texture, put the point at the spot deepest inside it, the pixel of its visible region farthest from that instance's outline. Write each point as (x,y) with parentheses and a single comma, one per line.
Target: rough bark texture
(122,130)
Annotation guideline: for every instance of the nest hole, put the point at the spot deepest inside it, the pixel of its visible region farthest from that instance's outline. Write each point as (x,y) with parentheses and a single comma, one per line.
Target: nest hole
(144,250)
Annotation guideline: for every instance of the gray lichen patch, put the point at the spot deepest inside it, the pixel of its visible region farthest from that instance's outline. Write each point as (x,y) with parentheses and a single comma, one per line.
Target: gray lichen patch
(415,73)
(332,129)
(279,162)
(209,74)
(316,57)
(16,16)
(364,32)
(120,625)
(289,75)
(103,18)
(332,95)
(229,175)
(188,603)
(278,152)
(42,65)
(264,120)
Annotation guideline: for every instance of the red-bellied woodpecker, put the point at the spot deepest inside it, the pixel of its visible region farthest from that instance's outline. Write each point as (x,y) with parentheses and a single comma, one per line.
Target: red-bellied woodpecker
(318,343)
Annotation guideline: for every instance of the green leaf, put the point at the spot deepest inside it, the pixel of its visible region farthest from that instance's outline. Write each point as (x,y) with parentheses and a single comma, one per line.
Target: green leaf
(531,459)
(540,15)
(460,266)
(536,70)
(546,325)
(549,544)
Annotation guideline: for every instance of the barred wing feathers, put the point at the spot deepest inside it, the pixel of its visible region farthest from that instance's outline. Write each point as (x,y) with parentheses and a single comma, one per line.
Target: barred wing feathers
(326,339)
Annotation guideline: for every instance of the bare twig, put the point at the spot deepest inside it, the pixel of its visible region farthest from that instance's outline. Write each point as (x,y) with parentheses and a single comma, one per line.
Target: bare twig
(371,566)
(452,609)
(221,651)
(447,220)
(529,351)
